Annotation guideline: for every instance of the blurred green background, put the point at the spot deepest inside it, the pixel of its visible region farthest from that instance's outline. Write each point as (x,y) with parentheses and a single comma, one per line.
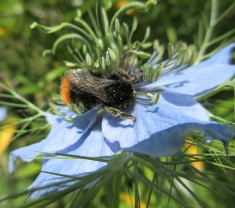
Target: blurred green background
(37,78)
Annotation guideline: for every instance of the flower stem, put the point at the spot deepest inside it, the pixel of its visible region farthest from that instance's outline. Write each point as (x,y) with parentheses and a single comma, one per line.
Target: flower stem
(219,88)
(209,31)
(19,97)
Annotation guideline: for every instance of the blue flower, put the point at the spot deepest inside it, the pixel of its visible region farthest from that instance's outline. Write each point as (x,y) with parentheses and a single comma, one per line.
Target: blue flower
(3,113)
(159,131)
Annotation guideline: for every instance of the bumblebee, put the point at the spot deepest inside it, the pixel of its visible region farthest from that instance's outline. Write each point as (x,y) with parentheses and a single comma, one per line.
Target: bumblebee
(114,94)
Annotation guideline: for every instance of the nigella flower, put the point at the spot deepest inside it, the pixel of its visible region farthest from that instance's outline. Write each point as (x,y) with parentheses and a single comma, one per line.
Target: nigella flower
(165,110)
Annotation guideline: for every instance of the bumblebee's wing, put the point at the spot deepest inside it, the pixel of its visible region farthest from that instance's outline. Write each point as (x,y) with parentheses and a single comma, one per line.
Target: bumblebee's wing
(85,82)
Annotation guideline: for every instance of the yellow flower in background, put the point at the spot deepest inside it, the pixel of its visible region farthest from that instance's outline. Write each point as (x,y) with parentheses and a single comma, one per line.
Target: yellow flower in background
(2,31)
(6,134)
(194,150)
(120,4)
(130,200)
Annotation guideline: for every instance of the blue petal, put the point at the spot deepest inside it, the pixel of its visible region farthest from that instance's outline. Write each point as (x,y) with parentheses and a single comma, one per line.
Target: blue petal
(91,144)
(223,56)
(160,129)
(199,79)
(63,134)
(186,104)
(3,113)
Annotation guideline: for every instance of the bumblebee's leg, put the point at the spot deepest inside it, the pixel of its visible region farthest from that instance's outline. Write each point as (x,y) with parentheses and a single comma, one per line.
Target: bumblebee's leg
(119,114)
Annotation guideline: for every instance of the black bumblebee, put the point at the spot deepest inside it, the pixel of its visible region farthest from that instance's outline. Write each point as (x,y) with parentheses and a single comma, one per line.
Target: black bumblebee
(115,94)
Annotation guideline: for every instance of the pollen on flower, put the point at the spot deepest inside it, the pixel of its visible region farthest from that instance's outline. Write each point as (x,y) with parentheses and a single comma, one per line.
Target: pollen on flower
(64,90)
